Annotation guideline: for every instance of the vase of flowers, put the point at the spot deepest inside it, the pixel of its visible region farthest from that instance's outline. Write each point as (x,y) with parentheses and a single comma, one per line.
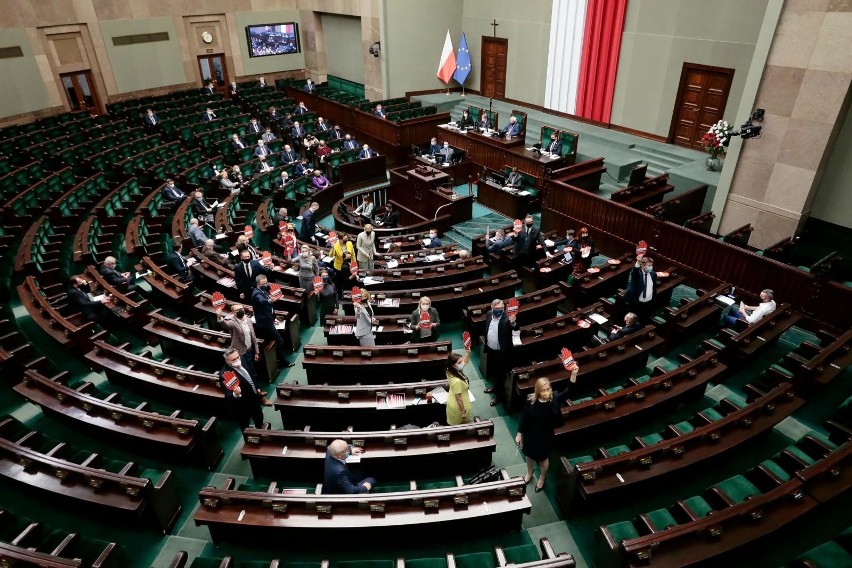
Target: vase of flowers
(715,141)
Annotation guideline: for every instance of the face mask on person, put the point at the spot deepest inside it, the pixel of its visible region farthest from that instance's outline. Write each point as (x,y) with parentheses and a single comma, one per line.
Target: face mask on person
(497,313)
(425,307)
(546,395)
(305,254)
(529,223)
(460,365)
(553,138)
(236,364)
(246,260)
(325,278)
(649,268)
(346,455)
(240,314)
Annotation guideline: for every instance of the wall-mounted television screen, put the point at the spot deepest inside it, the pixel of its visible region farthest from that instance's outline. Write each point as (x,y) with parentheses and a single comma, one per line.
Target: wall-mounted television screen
(272,39)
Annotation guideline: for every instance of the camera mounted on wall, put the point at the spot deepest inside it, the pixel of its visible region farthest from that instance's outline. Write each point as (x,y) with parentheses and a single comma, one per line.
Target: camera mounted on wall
(376,49)
(749,129)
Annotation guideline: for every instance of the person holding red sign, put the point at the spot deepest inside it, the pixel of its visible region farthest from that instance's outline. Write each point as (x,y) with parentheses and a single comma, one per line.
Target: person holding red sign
(241,392)
(424,322)
(498,347)
(243,338)
(308,268)
(264,319)
(364,320)
(458,385)
(584,251)
(641,288)
(526,241)
(327,297)
(541,416)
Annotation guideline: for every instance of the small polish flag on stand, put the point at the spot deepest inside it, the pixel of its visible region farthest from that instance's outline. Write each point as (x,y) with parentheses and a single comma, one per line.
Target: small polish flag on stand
(567,359)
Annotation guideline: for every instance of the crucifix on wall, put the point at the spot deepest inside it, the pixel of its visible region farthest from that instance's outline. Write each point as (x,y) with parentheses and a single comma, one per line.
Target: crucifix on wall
(494,25)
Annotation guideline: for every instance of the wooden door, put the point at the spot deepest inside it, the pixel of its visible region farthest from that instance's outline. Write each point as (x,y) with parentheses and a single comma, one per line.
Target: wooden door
(212,68)
(493,81)
(80,91)
(700,103)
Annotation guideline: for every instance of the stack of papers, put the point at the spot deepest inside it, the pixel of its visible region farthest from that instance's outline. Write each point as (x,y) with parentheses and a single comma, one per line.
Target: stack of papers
(227,282)
(439,394)
(389,303)
(370,280)
(378,328)
(516,338)
(393,263)
(327,259)
(525,192)
(598,319)
(435,257)
(726,300)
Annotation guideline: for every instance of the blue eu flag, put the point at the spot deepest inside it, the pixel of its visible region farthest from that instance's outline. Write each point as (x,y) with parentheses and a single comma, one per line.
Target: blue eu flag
(462,62)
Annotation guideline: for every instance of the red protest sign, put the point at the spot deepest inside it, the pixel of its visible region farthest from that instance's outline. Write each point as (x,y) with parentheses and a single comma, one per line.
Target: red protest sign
(513,306)
(642,247)
(356,295)
(466,341)
(425,320)
(317,284)
(518,225)
(248,231)
(218,300)
(266,258)
(567,359)
(275,292)
(353,268)
(230,380)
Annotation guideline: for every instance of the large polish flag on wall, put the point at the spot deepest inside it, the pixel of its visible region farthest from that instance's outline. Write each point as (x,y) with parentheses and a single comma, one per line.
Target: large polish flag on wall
(447,66)
(582,59)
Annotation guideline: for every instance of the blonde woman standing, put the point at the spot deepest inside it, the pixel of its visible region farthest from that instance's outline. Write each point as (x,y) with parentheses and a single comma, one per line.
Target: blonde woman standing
(540,418)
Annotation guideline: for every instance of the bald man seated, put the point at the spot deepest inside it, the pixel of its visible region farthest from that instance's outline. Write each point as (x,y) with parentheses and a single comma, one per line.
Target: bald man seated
(338,479)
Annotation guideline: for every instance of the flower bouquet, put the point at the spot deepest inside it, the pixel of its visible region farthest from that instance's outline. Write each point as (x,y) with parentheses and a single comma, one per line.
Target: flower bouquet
(716,140)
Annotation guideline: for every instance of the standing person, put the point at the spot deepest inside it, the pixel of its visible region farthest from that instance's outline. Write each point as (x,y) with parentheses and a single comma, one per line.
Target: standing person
(264,317)
(365,247)
(244,398)
(344,276)
(540,418)
(327,297)
(245,273)
(498,346)
(308,268)
(309,222)
(243,338)
(364,321)
(641,288)
(458,401)
(419,333)
(584,251)
(526,242)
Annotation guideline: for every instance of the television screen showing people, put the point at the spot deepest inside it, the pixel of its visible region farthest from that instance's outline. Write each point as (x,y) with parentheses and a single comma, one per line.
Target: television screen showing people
(272,39)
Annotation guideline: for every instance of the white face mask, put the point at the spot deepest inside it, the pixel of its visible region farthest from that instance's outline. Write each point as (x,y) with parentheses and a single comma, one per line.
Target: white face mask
(460,365)
(237,364)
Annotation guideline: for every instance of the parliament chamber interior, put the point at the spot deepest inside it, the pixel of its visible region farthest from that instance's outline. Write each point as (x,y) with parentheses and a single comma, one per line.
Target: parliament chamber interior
(221,221)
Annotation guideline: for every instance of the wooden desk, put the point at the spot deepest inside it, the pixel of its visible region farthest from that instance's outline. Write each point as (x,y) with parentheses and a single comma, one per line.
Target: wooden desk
(533,307)
(511,204)
(371,365)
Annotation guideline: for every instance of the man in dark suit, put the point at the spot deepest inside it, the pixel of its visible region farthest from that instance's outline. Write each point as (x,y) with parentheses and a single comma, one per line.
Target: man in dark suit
(272,117)
(447,152)
(150,120)
(196,233)
(288,156)
(302,168)
(178,265)
(245,273)
(118,280)
(208,115)
(337,133)
(264,319)
(498,347)
(309,223)
(173,193)
(641,288)
(210,89)
(555,146)
(200,208)
(243,398)
(261,149)
(237,143)
(380,112)
(434,147)
(300,108)
(262,166)
(526,242)
(499,242)
(512,129)
(309,86)
(484,123)
(322,125)
(514,180)
(297,133)
(465,121)
(254,129)
(350,143)
(79,299)
(366,152)
(631,325)
(261,83)
(337,478)
(233,90)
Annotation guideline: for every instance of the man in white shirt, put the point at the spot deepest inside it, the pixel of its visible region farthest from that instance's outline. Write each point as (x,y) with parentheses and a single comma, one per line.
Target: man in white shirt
(757,313)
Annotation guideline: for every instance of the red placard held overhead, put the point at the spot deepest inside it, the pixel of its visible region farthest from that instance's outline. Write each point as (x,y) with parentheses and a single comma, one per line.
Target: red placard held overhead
(567,359)
(275,292)
(266,258)
(317,284)
(518,225)
(218,300)
(642,247)
(248,232)
(356,295)
(466,341)
(513,306)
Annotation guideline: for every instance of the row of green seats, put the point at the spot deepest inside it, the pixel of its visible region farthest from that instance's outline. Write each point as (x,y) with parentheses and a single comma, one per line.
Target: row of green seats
(141,162)
(20,179)
(174,166)
(86,149)
(835,553)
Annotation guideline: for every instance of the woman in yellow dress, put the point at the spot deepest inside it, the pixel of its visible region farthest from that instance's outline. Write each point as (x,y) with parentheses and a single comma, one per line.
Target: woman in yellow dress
(458,401)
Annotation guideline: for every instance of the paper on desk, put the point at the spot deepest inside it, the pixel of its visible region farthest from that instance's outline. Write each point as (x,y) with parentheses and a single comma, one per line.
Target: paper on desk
(387,245)
(282,324)
(291,271)
(598,319)
(426,242)
(215,204)
(140,274)
(235,252)
(435,257)
(370,281)
(727,300)
(548,242)
(393,263)
(99,297)
(299,217)
(525,192)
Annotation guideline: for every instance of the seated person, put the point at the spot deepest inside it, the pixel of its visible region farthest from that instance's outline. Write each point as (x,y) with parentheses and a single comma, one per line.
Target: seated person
(322,125)
(172,193)
(151,120)
(302,168)
(254,128)
(447,152)
(366,152)
(309,86)
(272,116)
(366,208)
(261,166)
(757,313)
(196,233)
(390,218)
(227,184)
(297,133)
(434,147)
(380,112)
(280,216)
(484,123)
(261,149)
(208,115)
(178,265)
(284,179)
(434,241)
(268,136)
(512,129)
(555,146)
(466,121)
(200,208)
(237,143)
(338,479)
(118,280)
(323,151)
(336,133)
(288,156)
(565,246)
(514,180)
(310,143)
(319,181)
(499,241)
(214,254)
(300,109)
(233,89)
(261,83)
(631,325)
(79,300)
(350,143)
